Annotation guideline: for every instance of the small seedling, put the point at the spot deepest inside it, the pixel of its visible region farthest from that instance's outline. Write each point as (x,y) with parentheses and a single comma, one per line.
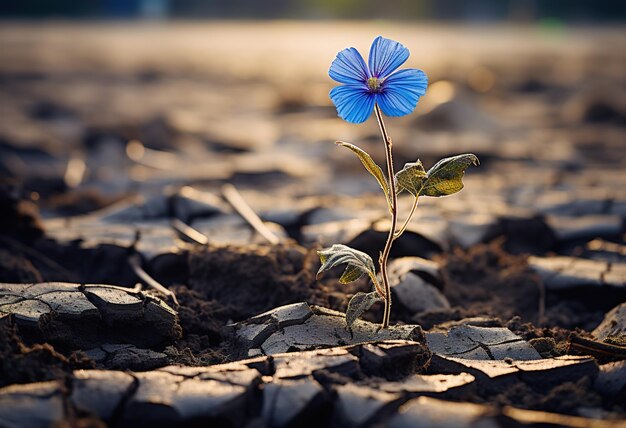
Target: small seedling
(378,87)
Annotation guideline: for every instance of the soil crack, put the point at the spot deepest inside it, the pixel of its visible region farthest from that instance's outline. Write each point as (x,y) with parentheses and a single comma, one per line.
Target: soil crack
(120,408)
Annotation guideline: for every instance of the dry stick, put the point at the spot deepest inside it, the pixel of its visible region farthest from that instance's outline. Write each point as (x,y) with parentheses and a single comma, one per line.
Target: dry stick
(394,215)
(234,198)
(595,348)
(135,263)
(188,233)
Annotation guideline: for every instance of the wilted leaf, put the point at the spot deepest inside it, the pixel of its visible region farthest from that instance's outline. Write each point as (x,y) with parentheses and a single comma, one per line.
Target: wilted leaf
(446,176)
(360,303)
(358,262)
(370,166)
(352,273)
(411,178)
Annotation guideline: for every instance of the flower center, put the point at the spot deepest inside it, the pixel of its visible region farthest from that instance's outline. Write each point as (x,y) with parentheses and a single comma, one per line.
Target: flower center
(374,84)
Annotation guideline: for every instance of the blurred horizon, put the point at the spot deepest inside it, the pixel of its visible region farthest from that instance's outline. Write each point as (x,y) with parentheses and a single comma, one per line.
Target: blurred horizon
(479,11)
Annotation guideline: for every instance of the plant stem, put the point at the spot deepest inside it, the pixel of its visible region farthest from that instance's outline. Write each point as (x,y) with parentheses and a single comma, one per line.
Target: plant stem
(394,215)
(406,222)
(379,290)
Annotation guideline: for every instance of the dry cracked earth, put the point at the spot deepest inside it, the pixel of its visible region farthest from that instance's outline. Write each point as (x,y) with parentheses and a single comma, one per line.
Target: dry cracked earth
(132,292)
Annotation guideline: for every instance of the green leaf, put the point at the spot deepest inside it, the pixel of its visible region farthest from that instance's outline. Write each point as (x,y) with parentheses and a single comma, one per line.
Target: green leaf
(360,303)
(358,262)
(411,178)
(370,166)
(446,176)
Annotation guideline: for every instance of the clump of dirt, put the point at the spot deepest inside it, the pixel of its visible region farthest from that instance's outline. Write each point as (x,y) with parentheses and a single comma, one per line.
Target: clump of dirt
(546,346)
(19,218)
(253,278)
(574,311)
(73,262)
(202,322)
(26,256)
(548,341)
(619,340)
(17,269)
(232,283)
(564,398)
(20,363)
(486,280)
(569,397)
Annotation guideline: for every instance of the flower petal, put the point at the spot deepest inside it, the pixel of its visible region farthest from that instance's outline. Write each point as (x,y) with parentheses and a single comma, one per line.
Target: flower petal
(401,92)
(354,102)
(385,56)
(349,67)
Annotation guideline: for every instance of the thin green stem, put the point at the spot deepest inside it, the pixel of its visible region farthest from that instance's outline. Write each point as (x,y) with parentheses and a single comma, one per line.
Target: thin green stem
(394,215)
(406,222)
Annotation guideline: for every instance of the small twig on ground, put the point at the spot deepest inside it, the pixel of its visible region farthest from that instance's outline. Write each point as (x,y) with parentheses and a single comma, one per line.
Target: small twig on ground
(188,233)
(600,350)
(135,263)
(234,198)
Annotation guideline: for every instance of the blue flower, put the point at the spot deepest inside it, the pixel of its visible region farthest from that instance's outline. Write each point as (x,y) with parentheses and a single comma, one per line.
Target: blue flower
(396,92)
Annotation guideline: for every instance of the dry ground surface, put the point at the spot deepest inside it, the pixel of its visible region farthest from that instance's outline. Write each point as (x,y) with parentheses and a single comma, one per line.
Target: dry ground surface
(509,297)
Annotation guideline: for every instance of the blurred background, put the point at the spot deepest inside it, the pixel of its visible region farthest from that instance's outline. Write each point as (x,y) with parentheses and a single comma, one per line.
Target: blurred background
(117,117)
(109,103)
(454,10)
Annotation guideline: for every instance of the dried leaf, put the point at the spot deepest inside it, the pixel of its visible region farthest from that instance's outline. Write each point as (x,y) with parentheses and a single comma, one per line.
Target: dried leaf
(446,176)
(370,166)
(358,262)
(411,178)
(360,303)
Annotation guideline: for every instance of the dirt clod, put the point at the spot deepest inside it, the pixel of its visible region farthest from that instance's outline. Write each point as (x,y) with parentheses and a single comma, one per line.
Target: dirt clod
(21,363)
(254,279)
(485,280)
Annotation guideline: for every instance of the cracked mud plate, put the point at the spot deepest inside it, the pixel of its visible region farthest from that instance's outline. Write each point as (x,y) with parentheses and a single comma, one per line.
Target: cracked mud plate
(300,327)
(88,316)
(338,387)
